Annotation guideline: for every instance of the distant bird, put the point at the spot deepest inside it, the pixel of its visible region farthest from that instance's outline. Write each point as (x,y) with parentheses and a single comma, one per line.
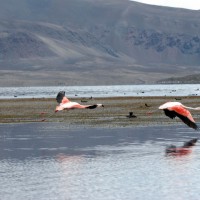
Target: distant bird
(131,115)
(86,99)
(176,109)
(183,150)
(147,105)
(177,98)
(66,104)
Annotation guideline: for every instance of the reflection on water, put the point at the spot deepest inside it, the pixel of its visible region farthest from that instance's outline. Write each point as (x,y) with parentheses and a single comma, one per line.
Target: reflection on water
(50,161)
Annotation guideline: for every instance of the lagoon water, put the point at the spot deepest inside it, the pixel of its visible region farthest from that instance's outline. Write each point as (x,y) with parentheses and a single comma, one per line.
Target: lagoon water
(101,91)
(50,161)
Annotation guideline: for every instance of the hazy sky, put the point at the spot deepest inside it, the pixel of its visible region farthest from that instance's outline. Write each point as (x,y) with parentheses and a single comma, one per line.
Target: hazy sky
(189,4)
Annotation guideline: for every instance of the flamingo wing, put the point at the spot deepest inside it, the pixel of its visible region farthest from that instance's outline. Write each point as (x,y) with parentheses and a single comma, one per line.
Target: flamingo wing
(77,105)
(85,106)
(170,114)
(61,97)
(183,114)
(187,121)
(91,106)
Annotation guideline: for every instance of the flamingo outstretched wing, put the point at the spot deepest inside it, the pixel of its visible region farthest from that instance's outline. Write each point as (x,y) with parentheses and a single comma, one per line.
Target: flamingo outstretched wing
(61,98)
(181,113)
(187,121)
(170,114)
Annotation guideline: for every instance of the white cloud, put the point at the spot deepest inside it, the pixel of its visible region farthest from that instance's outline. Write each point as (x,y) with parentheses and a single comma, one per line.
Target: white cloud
(189,4)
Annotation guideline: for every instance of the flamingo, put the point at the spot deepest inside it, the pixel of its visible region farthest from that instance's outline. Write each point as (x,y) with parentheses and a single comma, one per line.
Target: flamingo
(177,109)
(183,150)
(66,104)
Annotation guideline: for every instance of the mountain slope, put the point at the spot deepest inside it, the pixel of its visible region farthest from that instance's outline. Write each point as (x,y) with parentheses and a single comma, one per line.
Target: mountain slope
(75,42)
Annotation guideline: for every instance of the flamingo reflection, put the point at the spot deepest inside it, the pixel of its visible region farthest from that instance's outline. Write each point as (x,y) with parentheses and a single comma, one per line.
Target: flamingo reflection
(183,150)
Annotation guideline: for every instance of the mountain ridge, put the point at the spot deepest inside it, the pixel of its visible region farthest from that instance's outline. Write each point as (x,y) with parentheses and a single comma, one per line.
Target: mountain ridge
(85,42)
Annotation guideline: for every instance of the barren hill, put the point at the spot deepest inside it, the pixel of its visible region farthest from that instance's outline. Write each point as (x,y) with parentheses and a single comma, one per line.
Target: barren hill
(95,42)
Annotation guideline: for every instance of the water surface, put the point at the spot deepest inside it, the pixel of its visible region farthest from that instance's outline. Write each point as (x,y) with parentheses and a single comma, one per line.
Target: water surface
(52,161)
(101,91)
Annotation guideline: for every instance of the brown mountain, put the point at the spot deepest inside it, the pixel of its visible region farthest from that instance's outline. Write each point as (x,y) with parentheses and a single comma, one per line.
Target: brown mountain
(95,42)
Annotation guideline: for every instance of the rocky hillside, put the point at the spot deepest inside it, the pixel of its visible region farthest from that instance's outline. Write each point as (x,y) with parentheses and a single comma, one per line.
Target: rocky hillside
(87,42)
(190,79)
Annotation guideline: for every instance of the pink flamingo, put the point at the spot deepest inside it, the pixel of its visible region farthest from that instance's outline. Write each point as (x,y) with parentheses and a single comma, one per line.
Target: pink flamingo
(66,104)
(176,109)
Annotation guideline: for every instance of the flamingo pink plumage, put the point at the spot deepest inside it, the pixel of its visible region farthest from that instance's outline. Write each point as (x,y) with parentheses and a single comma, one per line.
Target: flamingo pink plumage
(177,109)
(65,103)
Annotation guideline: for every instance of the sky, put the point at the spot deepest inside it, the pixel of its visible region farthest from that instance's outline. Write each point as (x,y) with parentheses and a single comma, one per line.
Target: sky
(189,4)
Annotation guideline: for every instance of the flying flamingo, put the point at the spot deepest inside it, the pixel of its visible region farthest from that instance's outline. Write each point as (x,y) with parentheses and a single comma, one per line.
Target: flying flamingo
(66,104)
(177,109)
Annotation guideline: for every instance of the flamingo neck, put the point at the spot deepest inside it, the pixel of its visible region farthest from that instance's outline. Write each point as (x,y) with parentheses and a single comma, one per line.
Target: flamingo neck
(191,108)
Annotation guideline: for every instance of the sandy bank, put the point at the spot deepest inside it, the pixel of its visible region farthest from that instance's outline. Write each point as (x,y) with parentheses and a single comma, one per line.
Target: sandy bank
(114,114)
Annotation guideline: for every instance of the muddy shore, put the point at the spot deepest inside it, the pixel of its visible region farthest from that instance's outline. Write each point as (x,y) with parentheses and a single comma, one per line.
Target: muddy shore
(114,114)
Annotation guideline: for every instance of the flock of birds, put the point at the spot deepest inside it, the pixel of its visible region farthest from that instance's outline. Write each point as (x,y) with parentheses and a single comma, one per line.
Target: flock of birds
(171,110)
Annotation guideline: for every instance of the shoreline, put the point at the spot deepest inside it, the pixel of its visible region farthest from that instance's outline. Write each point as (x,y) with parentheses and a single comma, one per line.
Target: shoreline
(114,114)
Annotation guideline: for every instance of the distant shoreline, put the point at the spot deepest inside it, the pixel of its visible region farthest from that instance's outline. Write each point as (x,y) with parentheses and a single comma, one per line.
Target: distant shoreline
(101,91)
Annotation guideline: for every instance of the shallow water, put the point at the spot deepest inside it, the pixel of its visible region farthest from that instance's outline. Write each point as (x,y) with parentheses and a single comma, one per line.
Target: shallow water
(50,161)
(101,91)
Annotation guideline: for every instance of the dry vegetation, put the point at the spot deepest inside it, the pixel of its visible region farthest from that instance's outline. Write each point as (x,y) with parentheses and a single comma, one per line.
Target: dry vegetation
(114,114)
